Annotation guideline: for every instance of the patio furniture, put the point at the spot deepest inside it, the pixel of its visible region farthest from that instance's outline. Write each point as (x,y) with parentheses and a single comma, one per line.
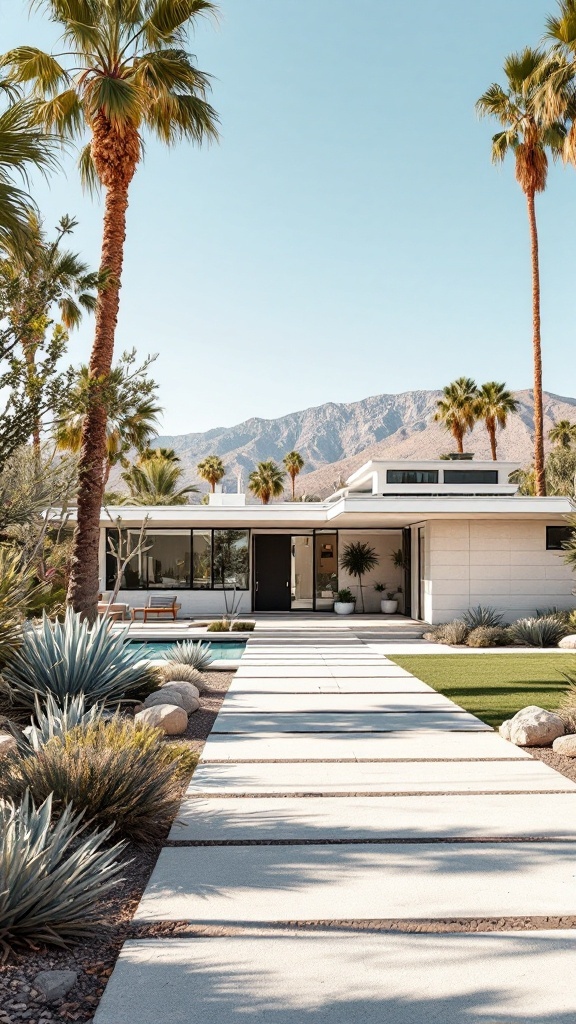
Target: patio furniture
(117,611)
(158,604)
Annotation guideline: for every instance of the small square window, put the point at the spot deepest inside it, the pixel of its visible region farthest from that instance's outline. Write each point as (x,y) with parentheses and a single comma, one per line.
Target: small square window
(557,537)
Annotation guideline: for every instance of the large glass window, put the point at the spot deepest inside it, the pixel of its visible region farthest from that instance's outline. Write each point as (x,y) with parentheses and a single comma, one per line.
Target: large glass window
(167,560)
(133,575)
(202,559)
(470,476)
(411,476)
(231,559)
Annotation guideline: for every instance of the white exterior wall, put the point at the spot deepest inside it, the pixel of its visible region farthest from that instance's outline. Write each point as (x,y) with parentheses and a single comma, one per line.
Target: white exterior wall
(193,602)
(504,564)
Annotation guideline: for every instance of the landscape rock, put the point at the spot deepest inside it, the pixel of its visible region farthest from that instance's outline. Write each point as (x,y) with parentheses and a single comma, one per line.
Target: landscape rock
(164,696)
(535,727)
(568,642)
(54,985)
(504,729)
(171,719)
(8,744)
(565,745)
(188,692)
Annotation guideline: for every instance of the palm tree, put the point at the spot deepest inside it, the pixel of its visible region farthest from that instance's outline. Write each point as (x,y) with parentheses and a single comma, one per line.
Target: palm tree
(525,479)
(126,70)
(563,434)
(155,481)
(212,470)
(267,481)
(293,463)
(23,147)
(528,133)
(494,405)
(357,559)
(38,278)
(457,409)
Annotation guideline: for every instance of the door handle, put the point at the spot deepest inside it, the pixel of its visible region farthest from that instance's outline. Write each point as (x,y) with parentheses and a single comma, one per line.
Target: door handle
(256,584)
(287,583)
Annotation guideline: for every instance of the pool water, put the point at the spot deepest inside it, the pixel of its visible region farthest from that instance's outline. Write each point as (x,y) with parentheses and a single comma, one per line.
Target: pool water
(156,649)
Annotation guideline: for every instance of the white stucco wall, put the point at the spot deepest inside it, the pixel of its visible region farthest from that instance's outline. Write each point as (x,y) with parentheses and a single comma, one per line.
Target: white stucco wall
(194,602)
(504,564)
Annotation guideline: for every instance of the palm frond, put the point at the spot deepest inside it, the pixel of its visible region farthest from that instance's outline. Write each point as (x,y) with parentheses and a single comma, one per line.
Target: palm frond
(88,173)
(29,64)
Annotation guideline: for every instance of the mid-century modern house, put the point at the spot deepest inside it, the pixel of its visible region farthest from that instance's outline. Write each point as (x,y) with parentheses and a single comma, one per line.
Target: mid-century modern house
(466,538)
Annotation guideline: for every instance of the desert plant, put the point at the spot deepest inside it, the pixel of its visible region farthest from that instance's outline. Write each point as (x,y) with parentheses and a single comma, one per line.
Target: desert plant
(15,586)
(562,614)
(357,559)
(54,721)
(457,409)
(243,627)
(115,772)
(71,658)
(212,470)
(454,633)
(545,632)
(482,616)
(293,464)
(267,481)
(197,655)
(51,877)
(488,636)
(345,596)
(219,626)
(178,672)
(380,588)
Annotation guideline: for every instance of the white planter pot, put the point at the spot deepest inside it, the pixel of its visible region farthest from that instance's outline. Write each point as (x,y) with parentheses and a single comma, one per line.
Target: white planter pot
(389,607)
(344,607)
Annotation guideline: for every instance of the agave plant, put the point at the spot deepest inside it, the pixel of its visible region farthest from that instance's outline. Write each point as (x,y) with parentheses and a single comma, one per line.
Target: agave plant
(482,616)
(51,878)
(119,775)
(71,658)
(54,721)
(15,586)
(544,632)
(198,655)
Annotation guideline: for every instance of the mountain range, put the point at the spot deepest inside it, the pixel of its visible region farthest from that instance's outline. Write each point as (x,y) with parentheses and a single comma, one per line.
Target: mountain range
(335,439)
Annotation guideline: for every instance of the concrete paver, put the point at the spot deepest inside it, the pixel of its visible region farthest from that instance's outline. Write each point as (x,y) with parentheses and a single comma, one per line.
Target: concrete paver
(470,816)
(525,774)
(325,977)
(457,721)
(238,884)
(361,746)
(305,684)
(255,703)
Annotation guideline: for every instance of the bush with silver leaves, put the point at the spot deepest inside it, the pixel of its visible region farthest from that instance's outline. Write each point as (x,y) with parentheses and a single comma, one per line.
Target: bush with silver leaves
(544,632)
(197,655)
(482,616)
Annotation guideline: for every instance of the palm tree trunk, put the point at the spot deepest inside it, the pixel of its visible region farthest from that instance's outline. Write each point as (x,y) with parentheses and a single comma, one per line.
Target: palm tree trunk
(293,478)
(539,468)
(492,435)
(361,592)
(459,438)
(84,577)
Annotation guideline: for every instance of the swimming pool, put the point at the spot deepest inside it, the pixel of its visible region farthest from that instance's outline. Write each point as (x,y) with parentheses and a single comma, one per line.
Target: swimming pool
(219,651)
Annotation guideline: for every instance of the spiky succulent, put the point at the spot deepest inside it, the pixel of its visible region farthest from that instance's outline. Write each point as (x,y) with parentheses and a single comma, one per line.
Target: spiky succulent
(52,877)
(71,658)
(55,721)
(544,632)
(198,655)
(482,616)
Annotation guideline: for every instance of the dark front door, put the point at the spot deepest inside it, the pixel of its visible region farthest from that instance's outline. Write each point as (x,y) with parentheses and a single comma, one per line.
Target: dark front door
(272,559)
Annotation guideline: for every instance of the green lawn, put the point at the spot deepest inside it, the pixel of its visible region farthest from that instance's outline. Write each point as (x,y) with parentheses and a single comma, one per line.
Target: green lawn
(494,686)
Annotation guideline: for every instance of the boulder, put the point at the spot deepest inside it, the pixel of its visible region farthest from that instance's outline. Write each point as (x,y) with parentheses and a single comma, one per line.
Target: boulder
(188,693)
(54,985)
(565,745)
(504,729)
(8,744)
(568,643)
(171,719)
(164,696)
(535,727)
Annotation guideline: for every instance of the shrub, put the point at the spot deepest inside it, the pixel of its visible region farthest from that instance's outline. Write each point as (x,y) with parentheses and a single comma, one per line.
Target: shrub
(488,636)
(197,655)
(220,626)
(453,633)
(178,673)
(117,774)
(55,721)
(555,613)
(345,596)
(51,878)
(545,632)
(243,627)
(482,616)
(70,658)
(15,584)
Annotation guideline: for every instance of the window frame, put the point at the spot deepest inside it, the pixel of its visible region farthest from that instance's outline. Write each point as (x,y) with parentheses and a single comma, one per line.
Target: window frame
(466,474)
(556,547)
(432,475)
(190,530)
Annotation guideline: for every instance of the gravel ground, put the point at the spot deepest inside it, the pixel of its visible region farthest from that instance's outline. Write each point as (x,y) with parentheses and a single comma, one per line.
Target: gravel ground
(94,960)
(565,765)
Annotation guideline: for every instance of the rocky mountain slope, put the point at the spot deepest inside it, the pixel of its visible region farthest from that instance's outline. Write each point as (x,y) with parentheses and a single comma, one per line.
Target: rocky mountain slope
(335,439)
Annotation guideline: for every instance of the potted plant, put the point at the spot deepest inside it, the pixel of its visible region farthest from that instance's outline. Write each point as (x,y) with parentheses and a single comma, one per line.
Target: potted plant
(390,603)
(345,602)
(357,560)
(380,588)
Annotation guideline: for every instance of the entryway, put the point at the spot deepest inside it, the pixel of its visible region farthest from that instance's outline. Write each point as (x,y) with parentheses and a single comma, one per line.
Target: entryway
(295,572)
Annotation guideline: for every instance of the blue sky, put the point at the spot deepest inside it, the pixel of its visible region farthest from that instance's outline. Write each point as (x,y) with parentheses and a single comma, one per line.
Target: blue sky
(349,235)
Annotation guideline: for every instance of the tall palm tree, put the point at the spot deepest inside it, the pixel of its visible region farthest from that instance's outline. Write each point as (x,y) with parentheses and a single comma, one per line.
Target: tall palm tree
(457,409)
(126,70)
(494,404)
(293,462)
(563,434)
(156,481)
(168,454)
(23,147)
(267,481)
(527,133)
(42,277)
(212,470)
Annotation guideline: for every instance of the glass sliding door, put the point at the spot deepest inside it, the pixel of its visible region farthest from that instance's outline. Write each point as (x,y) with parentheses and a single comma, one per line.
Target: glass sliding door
(326,569)
(302,573)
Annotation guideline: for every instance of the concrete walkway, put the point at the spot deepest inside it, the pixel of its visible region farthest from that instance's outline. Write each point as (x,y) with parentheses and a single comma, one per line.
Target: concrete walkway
(354,846)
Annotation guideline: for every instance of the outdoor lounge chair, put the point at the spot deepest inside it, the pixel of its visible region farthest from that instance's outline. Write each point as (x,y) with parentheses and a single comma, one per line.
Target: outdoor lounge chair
(158,604)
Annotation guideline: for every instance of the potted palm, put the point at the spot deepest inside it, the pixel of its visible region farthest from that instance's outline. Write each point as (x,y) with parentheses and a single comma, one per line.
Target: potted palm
(357,560)
(345,602)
